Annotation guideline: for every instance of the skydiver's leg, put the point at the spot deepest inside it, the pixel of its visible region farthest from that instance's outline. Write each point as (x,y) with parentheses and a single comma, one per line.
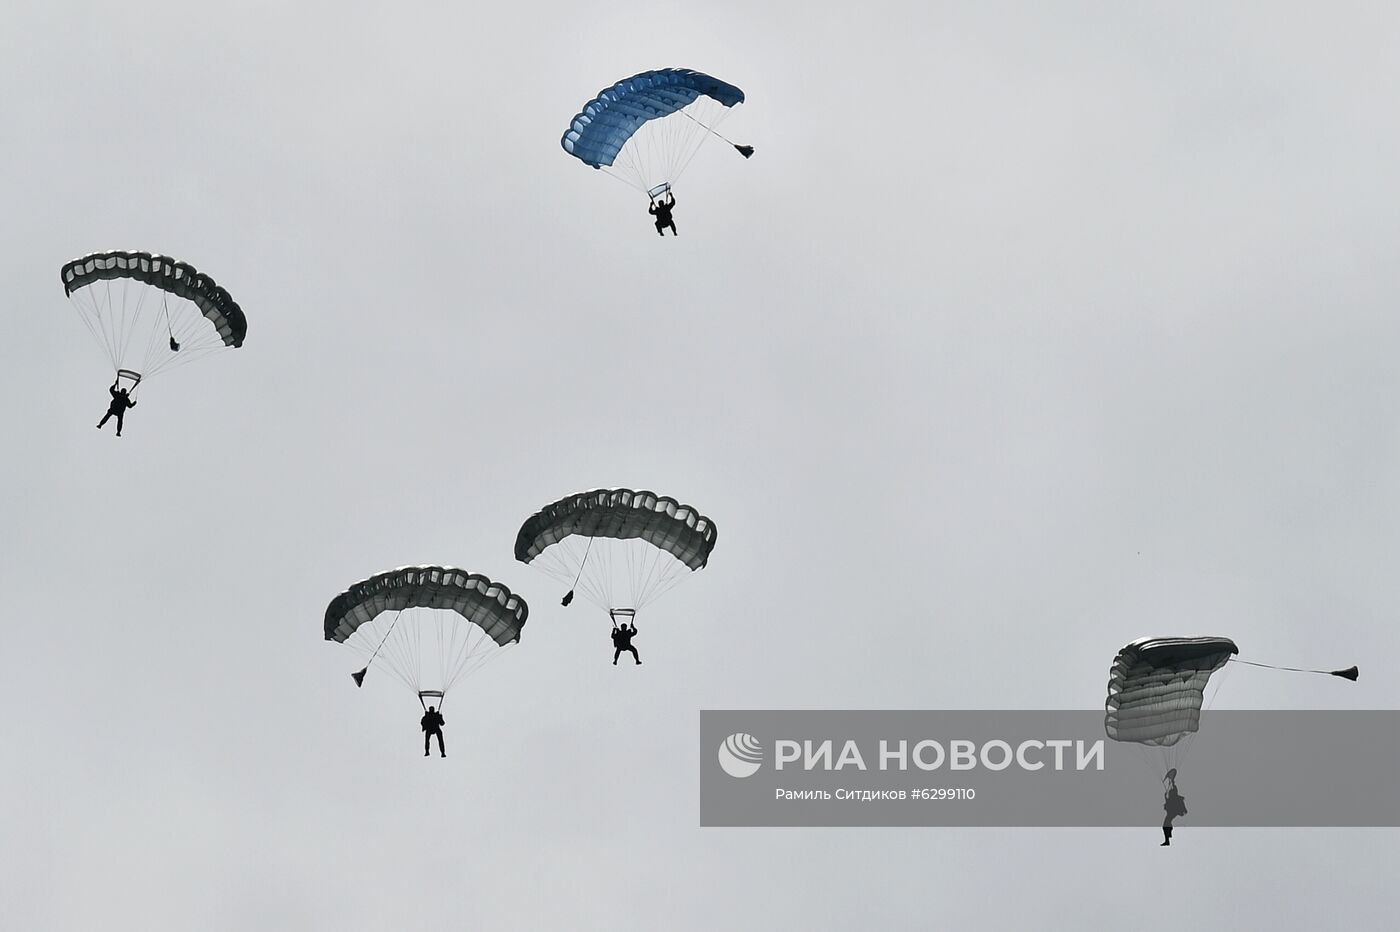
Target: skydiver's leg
(660,229)
(427,739)
(633,651)
(120,415)
(442,749)
(673,229)
(105,418)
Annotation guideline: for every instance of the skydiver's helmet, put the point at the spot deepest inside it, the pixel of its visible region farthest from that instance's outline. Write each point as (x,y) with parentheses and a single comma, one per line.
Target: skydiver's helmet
(432,708)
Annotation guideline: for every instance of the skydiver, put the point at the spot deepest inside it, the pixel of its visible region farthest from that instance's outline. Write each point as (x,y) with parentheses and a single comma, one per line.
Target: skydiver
(661,210)
(622,641)
(432,723)
(1173,803)
(120,402)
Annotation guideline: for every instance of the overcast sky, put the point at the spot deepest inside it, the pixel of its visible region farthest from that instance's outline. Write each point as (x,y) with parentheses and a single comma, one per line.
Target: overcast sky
(1029,330)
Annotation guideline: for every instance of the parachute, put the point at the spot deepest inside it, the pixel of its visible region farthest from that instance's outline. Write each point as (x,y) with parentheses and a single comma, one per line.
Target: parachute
(1157,685)
(429,626)
(620,548)
(151,312)
(647,128)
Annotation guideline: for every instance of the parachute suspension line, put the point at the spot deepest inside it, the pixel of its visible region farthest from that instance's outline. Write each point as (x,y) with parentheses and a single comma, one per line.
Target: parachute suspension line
(600,578)
(472,654)
(675,139)
(669,577)
(582,564)
(130,327)
(662,149)
(1177,754)
(745,151)
(165,305)
(149,365)
(644,577)
(360,676)
(612,174)
(92,319)
(1350,673)
(406,651)
(108,324)
(699,143)
(187,336)
(701,130)
(683,142)
(1149,761)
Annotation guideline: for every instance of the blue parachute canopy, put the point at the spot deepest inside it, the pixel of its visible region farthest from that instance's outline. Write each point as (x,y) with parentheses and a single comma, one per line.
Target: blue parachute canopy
(598,133)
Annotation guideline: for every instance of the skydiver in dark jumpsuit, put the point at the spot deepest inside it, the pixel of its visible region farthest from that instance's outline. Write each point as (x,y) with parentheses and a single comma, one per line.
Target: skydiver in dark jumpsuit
(432,723)
(622,641)
(1174,804)
(661,210)
(120,402)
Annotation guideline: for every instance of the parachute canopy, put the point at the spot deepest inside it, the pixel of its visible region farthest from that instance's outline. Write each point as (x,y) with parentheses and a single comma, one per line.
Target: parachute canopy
(650,126)
(1156,687)
(622,546)
(490,606)
(429,625)
(150,311)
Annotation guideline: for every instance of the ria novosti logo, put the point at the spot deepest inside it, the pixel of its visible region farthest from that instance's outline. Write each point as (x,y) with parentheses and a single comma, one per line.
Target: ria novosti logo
(741,755)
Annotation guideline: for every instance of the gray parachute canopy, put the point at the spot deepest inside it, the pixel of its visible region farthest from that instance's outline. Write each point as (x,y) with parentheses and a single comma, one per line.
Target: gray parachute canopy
(166,274)
(1157,684)
(621,514)
(619,547)
(489,605)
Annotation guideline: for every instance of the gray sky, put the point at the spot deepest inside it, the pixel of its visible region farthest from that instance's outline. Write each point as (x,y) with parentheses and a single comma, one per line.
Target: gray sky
(1029,330)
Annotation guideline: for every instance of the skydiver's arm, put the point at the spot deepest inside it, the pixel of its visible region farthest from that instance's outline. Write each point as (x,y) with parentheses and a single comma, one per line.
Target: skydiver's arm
(131,404)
